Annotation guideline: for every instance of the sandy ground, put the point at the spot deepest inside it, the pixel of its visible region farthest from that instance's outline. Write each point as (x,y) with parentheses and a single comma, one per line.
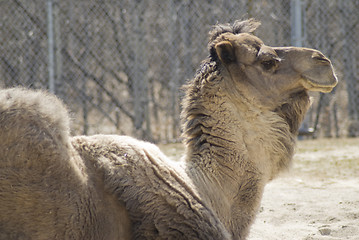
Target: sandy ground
(317,199)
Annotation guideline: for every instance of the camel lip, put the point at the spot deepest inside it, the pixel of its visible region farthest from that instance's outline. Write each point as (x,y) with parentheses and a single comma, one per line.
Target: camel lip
(315,86)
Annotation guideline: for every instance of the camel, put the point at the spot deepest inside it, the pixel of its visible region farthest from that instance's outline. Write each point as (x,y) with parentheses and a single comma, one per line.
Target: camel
(240,118)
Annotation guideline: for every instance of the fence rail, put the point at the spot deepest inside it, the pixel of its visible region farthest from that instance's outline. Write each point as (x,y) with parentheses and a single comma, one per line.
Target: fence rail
(119,65)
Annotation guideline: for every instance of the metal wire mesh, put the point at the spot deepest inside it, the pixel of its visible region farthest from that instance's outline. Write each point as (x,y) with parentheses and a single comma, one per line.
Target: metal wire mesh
(119,65)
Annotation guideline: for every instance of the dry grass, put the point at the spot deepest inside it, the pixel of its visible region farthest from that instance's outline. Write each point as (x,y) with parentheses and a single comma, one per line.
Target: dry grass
(327,158)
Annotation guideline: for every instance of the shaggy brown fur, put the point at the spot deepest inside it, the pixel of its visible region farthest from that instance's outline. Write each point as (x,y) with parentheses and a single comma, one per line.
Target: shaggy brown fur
(241,114)
(46,190)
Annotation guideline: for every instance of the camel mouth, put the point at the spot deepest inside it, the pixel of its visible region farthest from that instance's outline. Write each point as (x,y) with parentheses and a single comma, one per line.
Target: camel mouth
(315,86)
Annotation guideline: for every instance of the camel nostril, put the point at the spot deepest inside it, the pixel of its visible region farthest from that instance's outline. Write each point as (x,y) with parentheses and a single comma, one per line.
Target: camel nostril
(321,58)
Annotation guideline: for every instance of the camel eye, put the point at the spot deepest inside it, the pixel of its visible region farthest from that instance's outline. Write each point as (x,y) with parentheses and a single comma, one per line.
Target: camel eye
(269,64)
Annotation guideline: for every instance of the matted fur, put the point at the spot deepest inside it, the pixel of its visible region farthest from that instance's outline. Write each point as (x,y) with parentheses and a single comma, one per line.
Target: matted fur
(238,135)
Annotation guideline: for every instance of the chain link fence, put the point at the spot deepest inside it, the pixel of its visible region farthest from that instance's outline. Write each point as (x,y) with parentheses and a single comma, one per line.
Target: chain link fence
(119,65)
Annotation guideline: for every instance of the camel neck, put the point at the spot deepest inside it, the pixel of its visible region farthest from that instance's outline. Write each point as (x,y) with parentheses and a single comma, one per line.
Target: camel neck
(230,185)
(229,159)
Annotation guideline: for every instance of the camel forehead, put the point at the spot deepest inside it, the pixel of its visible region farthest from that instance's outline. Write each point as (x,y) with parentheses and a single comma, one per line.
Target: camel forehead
(242,39)
(248,39)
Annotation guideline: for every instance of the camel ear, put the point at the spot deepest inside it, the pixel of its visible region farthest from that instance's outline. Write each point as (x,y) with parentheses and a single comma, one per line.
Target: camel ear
(225,52)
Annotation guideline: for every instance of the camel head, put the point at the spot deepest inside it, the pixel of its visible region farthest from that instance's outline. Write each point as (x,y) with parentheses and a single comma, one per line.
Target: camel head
(264,74)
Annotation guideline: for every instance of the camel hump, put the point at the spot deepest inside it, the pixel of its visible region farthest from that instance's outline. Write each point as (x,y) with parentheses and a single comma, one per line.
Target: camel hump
(34,128)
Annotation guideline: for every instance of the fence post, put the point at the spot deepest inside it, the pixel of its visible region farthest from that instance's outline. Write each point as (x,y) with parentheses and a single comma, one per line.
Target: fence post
(297,20)
(51,46)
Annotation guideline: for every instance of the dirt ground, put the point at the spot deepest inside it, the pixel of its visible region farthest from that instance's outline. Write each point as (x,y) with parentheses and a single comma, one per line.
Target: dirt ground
(318,199)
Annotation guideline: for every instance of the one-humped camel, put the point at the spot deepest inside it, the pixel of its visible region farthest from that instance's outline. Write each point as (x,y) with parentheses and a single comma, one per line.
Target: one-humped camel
(241,114)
